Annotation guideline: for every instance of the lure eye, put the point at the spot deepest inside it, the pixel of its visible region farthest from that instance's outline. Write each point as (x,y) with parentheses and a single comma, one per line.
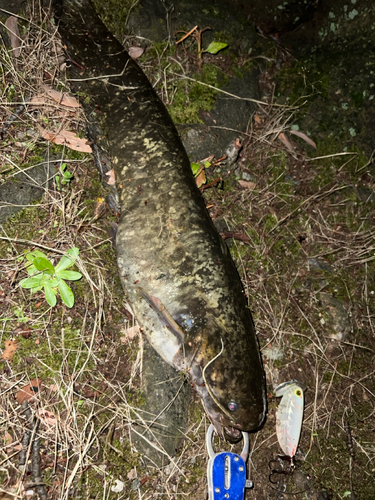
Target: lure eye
(298,392)
(233,406)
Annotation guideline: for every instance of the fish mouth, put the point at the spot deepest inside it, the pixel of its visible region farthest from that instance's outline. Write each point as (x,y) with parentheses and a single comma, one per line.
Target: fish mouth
(232,434)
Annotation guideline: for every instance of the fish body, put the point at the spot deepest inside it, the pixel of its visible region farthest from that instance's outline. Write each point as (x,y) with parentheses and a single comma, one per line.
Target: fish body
(289,416)
(176,271)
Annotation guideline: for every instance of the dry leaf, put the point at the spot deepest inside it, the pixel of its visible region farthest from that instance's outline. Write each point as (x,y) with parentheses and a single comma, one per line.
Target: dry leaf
(8,438)
(10,348)
(11,25)
(132,474)
(47,417)
(130,333)
(283,138)
(201,178)
(88,392)
(69,139)
(247,184)
(100,207)
(236,236)
(135,52)
(304,137)
(60,97)
(28,392)
(53,388)
(257,119)
(38,100)
(110,177)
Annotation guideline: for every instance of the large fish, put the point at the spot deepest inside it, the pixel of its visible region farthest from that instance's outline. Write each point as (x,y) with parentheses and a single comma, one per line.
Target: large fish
(176,271)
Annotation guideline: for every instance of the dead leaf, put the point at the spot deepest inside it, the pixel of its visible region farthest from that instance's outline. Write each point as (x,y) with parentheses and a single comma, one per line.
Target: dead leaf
(110,177)
(69,139)
(60,97)
(47,417)
(24,331)
(8,438)
(53,388)
(11,25)
(130,333)
(28,392)
(132,474)
(236,236)
(283,138)
(304,137)
(10,348)
(100,207)
(247,184)
(38,100)
(135,52)
(88,392)
(257,119)
(201,178)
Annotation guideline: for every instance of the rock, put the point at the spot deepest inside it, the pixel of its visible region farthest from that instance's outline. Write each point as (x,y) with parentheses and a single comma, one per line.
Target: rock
(163,429)
(338,320)
(25,188)
(319,264)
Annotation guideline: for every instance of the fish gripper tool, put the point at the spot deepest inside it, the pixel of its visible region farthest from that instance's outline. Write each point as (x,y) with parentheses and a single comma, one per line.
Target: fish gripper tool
(226,471)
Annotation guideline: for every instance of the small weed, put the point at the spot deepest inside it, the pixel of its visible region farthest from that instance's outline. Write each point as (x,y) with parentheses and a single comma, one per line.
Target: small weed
(43,275)
(21,315)
(196,33)
(64,177)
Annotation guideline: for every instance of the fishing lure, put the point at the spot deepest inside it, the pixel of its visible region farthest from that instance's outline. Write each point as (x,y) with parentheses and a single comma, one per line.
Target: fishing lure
(289,416)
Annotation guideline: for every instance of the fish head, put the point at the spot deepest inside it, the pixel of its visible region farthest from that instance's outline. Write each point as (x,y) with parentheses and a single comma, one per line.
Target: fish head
(233,394)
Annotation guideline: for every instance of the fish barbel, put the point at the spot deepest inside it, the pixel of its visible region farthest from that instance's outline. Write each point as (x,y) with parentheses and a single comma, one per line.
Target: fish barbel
(175,268)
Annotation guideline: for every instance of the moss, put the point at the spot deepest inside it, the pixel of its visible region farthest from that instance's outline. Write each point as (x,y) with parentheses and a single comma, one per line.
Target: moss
(114,14)
(192,97)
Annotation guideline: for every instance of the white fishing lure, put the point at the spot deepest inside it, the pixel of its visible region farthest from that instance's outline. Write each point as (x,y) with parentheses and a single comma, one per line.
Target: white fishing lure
(289,415)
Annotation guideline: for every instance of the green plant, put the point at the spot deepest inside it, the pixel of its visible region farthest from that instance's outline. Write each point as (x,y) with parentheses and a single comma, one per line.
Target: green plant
(21,315)
(64,177)
(43,275)
(213,48)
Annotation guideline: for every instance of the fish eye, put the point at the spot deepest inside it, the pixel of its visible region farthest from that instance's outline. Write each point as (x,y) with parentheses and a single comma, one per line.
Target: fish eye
(233,406)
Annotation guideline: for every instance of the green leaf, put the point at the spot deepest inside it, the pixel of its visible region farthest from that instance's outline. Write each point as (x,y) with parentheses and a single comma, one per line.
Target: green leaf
(66,293)
(53,282)
(215,47)
(195,167)
(32,270)
(50,294)
(34,282)
(43,264)
(67,177)
(73,252)
(207,164)
(34,254)
(69,275)
(68,259)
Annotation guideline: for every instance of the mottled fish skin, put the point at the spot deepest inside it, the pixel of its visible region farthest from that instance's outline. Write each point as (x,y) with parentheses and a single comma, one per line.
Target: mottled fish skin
(170,256)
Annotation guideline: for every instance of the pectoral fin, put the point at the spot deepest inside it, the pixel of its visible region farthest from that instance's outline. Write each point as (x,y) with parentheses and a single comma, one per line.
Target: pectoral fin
(164,316)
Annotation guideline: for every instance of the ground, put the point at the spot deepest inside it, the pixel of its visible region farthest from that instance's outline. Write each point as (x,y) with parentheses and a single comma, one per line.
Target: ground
(299,222)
